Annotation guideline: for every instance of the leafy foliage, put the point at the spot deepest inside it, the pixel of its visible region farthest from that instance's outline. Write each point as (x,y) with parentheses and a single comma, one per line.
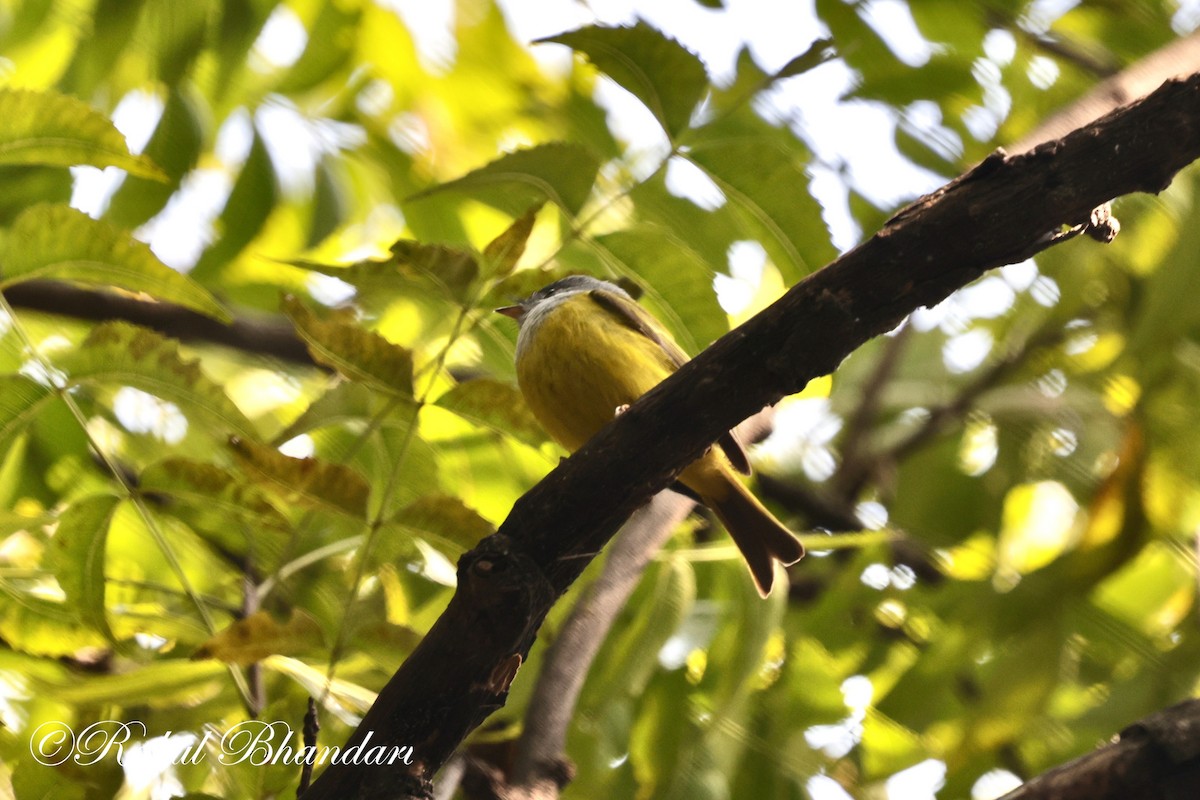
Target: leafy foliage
(191,536)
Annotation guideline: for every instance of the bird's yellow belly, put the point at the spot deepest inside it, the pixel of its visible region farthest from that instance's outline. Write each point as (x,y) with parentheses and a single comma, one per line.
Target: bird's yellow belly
(581,367)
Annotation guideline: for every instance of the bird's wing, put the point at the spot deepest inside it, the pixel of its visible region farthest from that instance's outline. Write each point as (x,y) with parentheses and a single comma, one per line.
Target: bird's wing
(630,314)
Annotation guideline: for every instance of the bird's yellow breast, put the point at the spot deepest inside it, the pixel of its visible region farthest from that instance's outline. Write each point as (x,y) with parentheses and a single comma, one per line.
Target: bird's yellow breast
(580,364)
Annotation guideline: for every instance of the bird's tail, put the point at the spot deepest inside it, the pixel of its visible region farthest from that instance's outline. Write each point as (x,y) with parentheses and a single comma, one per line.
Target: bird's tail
(761,538)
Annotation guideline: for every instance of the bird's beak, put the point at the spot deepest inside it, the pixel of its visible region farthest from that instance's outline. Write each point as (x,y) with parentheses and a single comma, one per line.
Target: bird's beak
(515,312)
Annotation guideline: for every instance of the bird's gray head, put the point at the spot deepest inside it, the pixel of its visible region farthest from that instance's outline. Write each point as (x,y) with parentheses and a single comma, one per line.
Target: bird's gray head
(549,296)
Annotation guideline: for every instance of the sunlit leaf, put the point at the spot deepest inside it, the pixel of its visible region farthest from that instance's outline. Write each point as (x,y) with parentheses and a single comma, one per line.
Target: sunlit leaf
(346,402)
(348,347)
(325,54)
(171,681)
(502,253)
(338,693)
(250,202)
(78,557)
(664,75)
(680,283)
(175,146)
(444,518)
(449,270)
(761,169)
(214,490)
(115,26)
(260,635)
(120,354)
(39,626)
(308,481)
(179,31)
(55,129)
(59,243)
(20,401)
(497,405)
(559,172)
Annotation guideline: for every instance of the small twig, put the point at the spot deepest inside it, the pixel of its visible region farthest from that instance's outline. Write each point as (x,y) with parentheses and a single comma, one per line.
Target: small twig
(940,417)
(1073,54)
(857,464)
(272,337)
(540,749)
(312,726)
(817,511)
(254,677)
(450,778)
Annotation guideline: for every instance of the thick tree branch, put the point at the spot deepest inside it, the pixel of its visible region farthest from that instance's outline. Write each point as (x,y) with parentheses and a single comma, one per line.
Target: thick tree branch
(1004,210)
(1157,758)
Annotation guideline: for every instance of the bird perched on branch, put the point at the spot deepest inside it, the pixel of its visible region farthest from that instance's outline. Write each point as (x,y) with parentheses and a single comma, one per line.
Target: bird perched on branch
(585,351)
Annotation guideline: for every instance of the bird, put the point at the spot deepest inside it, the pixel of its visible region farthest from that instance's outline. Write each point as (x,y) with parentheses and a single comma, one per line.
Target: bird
(586,350)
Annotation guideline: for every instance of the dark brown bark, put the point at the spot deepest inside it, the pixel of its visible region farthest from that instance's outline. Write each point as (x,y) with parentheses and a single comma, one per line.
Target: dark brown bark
(1157,758)
(275,338)
(1005,210)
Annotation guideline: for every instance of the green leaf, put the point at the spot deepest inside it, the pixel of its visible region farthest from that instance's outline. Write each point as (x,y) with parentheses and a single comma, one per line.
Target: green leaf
(445,521)
(449,270)
(306,481)
(750,79)
(250,640)
(114,25)
(663,74)
(250,203)
(502,253)
(331,202)
(232,515)
(818,53)
(38,626)
(357,353)
(680,292)
(345,402)
(28,186)
(59,243)
(120,354)
(325,54)
(20,401)
(944,77)
(938,499)
(171,681)
(207,484)
(77,556)
(888,746)
(176,145)
(179,33)
(496,405)
(55,129)
(559,172)
(341,694)
(636,647)
(763,172)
